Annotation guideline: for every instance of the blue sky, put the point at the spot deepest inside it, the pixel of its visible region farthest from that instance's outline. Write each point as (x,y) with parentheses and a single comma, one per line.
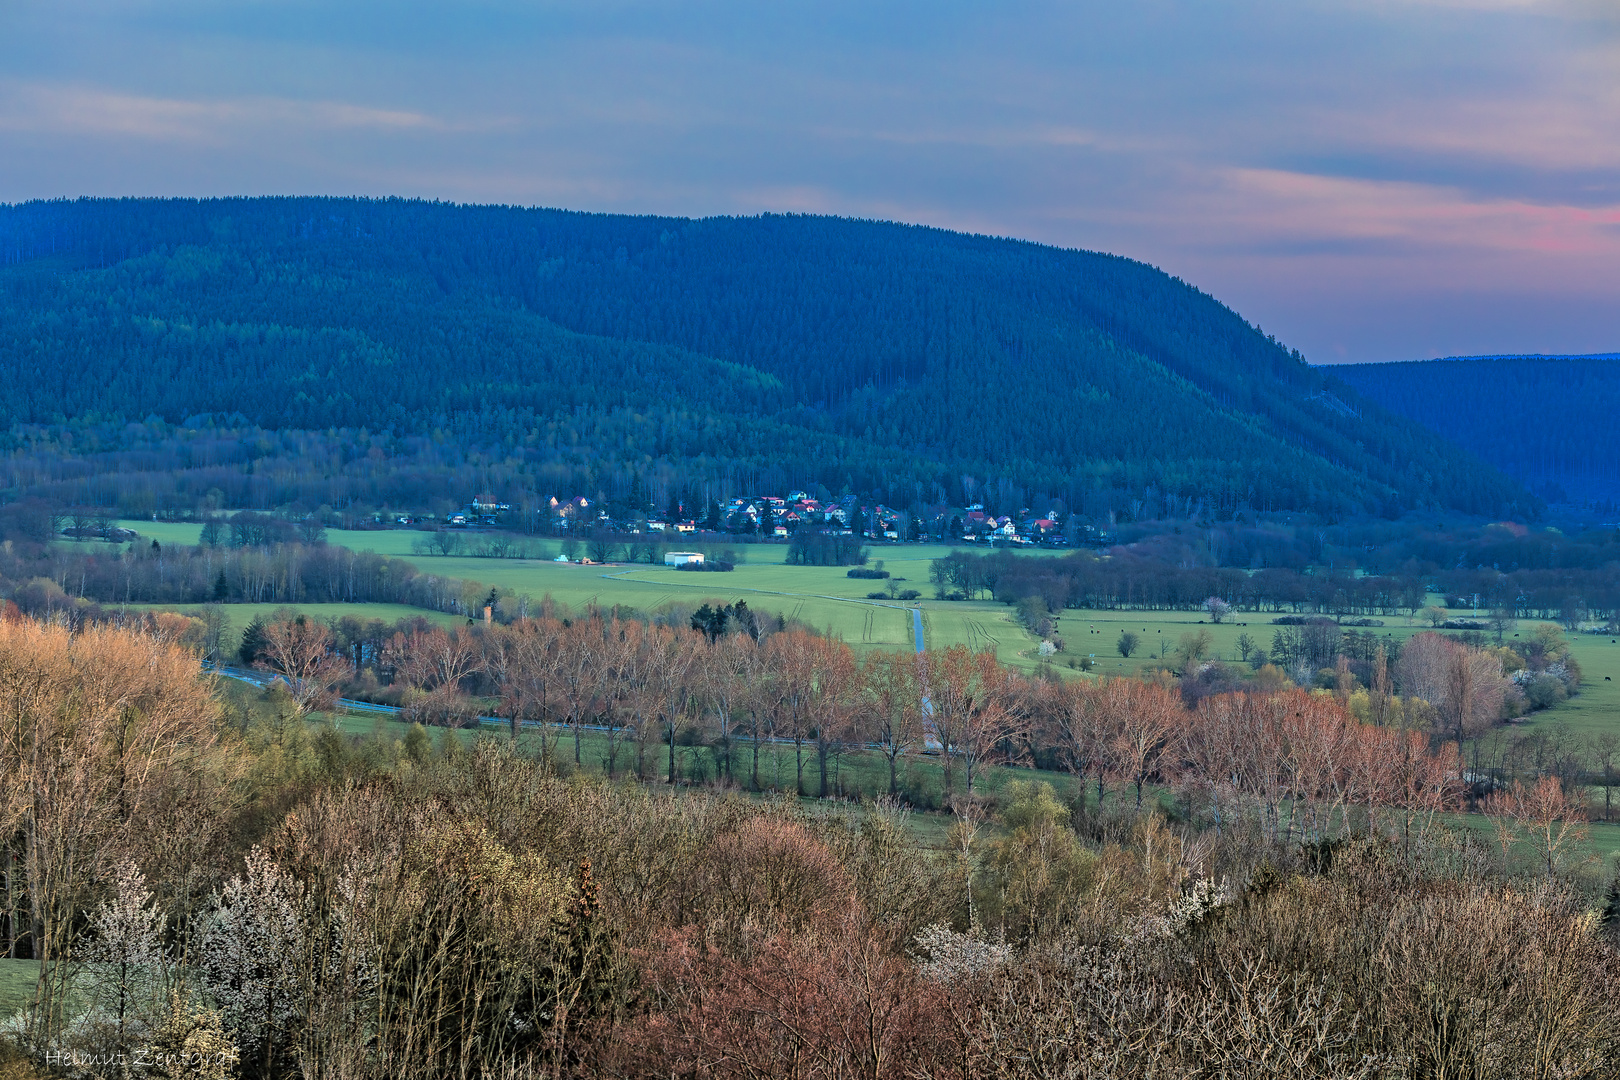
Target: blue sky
(1366,179)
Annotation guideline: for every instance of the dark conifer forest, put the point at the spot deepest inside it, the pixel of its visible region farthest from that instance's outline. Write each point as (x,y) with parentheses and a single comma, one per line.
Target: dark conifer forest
(402,351)
(1548,421)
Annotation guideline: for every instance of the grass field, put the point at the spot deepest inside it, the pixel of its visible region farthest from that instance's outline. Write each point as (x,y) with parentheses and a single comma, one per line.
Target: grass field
(238,616)
(1597,706)
(17,980)
(827,599)
(861,774)
(823,596)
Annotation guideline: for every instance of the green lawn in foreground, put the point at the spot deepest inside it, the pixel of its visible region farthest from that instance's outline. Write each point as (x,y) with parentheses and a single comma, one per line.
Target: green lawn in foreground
(17,981)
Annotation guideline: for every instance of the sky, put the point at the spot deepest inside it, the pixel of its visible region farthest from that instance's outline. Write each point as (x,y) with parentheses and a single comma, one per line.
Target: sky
(1365,179)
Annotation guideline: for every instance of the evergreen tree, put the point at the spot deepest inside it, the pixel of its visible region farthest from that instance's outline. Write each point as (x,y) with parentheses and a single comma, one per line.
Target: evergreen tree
(253,642)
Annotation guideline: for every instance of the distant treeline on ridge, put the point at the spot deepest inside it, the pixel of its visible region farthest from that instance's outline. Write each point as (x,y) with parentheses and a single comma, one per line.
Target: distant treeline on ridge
(413,348)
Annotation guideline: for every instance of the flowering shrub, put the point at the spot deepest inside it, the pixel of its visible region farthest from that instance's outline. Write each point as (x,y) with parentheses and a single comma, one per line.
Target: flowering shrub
(954,959)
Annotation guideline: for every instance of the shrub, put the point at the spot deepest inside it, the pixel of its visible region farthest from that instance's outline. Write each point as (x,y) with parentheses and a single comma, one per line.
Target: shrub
(15,1065)
(1544,691)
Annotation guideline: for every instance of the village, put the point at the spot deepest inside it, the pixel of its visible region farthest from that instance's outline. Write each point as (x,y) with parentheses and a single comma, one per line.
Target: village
(768,517)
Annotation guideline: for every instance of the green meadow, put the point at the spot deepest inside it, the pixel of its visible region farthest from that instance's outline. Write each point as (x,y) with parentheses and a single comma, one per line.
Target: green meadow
(1596,707)
(237,616)
(827,599)
(17,981)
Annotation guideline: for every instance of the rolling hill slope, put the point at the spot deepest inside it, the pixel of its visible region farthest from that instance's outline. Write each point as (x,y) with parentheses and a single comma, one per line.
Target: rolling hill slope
(906,362)
(1548,421)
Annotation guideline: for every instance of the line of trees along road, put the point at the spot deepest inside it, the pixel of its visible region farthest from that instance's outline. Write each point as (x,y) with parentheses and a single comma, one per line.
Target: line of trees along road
(54,579)
(225,887)
(1125,580)
(644,691)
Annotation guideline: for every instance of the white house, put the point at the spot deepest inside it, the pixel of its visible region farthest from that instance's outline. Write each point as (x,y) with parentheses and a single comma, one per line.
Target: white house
(681,558)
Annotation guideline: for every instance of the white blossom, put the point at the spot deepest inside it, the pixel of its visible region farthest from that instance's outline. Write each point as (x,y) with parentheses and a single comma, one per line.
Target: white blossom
(123,958)
(250,951)
(126,929)
(1202,898)
(954,958)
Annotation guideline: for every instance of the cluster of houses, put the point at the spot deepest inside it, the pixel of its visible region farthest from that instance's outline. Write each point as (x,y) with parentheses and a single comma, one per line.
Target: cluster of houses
(778,516)
(484,510)
(772,515)
(1024,530)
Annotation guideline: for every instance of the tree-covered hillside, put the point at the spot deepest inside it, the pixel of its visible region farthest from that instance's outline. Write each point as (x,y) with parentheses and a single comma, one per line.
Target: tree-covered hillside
(905,362)
(1548,421)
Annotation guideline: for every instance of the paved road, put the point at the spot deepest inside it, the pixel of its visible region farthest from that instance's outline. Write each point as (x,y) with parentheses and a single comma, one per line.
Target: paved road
(261,678)
(916,625)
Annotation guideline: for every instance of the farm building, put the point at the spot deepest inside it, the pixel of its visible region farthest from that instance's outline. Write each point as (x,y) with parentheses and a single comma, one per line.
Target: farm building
(681,558)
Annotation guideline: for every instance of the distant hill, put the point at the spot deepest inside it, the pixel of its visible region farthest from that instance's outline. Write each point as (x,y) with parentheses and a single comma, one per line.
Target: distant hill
(910,363)
(1549,421)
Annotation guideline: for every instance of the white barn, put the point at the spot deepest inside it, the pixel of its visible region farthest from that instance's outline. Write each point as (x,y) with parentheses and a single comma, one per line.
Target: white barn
(681,558)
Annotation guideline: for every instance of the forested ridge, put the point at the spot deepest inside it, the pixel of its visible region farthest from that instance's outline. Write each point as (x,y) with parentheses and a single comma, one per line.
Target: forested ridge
(1546,420)
(889,359)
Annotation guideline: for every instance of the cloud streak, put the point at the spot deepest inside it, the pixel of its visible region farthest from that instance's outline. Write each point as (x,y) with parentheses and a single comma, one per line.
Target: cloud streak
(69,110)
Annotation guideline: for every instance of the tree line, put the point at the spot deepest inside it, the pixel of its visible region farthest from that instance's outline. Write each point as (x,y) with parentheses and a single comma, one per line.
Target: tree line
(724,696)
(1131,581)
(69,578)
(212,887)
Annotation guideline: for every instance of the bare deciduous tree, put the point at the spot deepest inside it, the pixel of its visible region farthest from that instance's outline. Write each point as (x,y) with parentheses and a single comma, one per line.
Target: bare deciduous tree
(1546,816)
(1144,721)
(304,653)
(1464,684)
(894,703)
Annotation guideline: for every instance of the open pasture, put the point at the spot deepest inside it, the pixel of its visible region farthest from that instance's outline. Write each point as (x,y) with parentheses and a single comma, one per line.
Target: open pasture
(860,777)
(237,616)
(1086,631)
(823,596)
(1597,706)
(826,598)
